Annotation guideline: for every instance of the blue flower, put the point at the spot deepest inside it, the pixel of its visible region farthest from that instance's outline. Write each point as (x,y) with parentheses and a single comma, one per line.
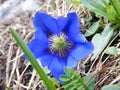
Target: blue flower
(58,43)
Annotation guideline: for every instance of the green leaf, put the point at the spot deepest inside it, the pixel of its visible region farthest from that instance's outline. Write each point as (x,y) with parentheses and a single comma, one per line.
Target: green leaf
(111,87)
(32,59)
(116,6)
(69,85)
(109,9)
(76,2)
(112,51)
(7,88)
(92,29)
(72,81)
(89,81)
(67,71)
(87,19)
(95,6)
(64,78)
(101,40)
(112,15)
(101,2)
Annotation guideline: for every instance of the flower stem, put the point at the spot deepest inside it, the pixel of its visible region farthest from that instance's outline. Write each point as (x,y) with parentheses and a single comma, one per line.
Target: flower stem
(32,60)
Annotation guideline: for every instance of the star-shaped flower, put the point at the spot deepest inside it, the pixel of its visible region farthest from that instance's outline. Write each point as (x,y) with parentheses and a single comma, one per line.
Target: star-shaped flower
(58,42)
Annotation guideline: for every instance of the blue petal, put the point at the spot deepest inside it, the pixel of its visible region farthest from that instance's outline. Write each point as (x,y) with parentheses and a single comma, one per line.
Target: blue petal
(45,59)
(72,27)
(40,35)
(45,22)
(71,62)
(80,52)
(38,44)
(78,38)
(56,67)
(61,23)
(37,47)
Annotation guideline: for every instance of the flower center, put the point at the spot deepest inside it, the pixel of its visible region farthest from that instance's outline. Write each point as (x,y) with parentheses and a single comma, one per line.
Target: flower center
(59,45)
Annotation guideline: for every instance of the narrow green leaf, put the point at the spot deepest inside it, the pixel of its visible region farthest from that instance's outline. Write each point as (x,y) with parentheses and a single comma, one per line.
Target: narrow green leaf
(110,11)
(67,85)
(116,6)
(64,78)
(92,29)
(101,2)
(76,2)
(112,15)
(70,87)
(32,59)
(111,87)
